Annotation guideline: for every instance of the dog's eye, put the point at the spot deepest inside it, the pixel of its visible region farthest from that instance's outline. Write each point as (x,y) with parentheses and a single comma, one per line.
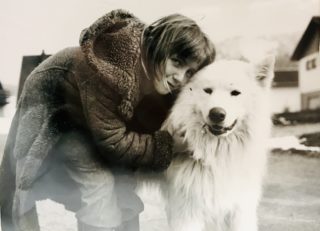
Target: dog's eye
(235,93)
(208,91)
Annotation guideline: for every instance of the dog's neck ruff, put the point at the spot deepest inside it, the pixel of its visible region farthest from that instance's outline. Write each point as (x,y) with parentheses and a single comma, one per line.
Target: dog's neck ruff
(208,147)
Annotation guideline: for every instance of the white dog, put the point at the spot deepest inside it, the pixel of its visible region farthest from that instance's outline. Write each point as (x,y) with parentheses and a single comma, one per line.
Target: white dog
(224,118)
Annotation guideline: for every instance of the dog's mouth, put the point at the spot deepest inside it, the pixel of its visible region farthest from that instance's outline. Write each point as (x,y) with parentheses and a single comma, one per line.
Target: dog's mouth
(218,130)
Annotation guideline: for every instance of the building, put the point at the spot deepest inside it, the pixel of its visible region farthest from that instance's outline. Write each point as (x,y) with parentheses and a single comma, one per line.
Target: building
(285,94)
(8,110)
(308,54)
(28,64)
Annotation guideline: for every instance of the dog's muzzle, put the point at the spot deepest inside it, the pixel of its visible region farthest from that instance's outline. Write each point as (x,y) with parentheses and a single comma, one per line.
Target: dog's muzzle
(218,130)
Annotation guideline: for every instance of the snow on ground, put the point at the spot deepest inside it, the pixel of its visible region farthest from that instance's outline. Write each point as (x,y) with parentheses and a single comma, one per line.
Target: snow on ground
(4,125)
(295,130)
(290,142)
(53,217)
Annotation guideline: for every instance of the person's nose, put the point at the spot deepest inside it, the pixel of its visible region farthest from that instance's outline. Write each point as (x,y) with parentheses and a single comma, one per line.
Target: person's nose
(179,76)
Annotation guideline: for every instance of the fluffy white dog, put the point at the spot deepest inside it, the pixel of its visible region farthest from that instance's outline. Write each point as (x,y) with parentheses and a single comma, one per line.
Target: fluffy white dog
(223,116)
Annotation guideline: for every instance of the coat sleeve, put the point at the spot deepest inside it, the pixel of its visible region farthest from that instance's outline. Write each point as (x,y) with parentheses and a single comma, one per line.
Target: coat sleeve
(120,145)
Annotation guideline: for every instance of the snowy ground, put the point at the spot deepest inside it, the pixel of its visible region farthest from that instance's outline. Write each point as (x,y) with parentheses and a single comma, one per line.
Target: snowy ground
(291,200)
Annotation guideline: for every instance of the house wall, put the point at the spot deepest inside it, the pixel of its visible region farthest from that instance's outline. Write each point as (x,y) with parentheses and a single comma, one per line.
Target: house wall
(309,79)
(285,99)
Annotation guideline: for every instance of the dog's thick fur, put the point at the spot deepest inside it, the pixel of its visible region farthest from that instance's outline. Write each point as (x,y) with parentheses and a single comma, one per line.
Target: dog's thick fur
(216,184)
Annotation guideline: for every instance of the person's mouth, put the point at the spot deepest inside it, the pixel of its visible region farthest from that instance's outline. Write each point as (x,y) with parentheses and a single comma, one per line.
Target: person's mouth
(172,86)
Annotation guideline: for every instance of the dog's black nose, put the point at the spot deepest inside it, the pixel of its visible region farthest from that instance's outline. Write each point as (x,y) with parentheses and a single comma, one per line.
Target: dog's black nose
(217,114)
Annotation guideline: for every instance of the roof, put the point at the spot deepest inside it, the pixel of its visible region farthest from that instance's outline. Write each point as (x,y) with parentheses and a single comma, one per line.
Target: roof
(285,79)
(27,66)
(311,31)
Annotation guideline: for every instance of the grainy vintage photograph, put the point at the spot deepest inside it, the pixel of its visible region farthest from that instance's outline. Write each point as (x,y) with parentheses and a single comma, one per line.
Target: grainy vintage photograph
(139,115)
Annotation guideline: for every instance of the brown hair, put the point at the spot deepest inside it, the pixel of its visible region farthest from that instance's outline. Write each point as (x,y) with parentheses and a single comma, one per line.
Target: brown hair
(174,36)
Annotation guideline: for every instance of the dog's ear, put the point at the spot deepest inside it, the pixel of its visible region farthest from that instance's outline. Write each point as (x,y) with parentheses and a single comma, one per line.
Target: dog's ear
(264,71)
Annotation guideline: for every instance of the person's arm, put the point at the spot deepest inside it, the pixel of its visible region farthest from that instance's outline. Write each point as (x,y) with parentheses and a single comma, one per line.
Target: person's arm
(121,146)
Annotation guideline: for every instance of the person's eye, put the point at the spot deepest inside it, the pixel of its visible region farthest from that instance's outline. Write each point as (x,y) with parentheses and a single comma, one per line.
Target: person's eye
(176,62)
(189,73)
(235,92)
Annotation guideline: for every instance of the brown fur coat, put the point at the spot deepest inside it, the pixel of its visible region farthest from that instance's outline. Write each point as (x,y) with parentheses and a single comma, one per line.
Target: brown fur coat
(93,88)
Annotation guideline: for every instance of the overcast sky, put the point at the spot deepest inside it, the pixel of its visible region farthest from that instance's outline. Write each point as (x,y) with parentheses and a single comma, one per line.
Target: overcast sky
(29,26)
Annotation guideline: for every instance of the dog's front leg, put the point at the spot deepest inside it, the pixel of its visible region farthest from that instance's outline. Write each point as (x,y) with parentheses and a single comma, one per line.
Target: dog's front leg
(182,215)
(185,224)
(244,219)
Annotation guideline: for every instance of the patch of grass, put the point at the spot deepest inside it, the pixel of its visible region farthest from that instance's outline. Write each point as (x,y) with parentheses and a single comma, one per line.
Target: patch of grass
(293,151)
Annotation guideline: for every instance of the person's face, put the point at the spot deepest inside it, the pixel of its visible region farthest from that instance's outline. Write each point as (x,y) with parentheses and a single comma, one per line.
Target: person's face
(176,75)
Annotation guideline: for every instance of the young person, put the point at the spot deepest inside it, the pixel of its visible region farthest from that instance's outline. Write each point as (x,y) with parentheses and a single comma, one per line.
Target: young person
(78,108)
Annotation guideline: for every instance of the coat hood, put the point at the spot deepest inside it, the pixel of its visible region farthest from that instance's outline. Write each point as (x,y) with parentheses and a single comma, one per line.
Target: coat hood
(111,46)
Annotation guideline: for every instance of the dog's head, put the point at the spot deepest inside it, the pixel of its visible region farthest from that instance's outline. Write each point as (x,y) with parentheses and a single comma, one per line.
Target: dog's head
(224,93)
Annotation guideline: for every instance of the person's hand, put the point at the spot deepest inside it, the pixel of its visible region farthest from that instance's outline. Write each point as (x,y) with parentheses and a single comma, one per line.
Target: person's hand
(179,142)
(178,135)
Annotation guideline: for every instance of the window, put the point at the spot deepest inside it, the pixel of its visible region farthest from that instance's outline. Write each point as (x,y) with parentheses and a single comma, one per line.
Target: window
(311,64)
